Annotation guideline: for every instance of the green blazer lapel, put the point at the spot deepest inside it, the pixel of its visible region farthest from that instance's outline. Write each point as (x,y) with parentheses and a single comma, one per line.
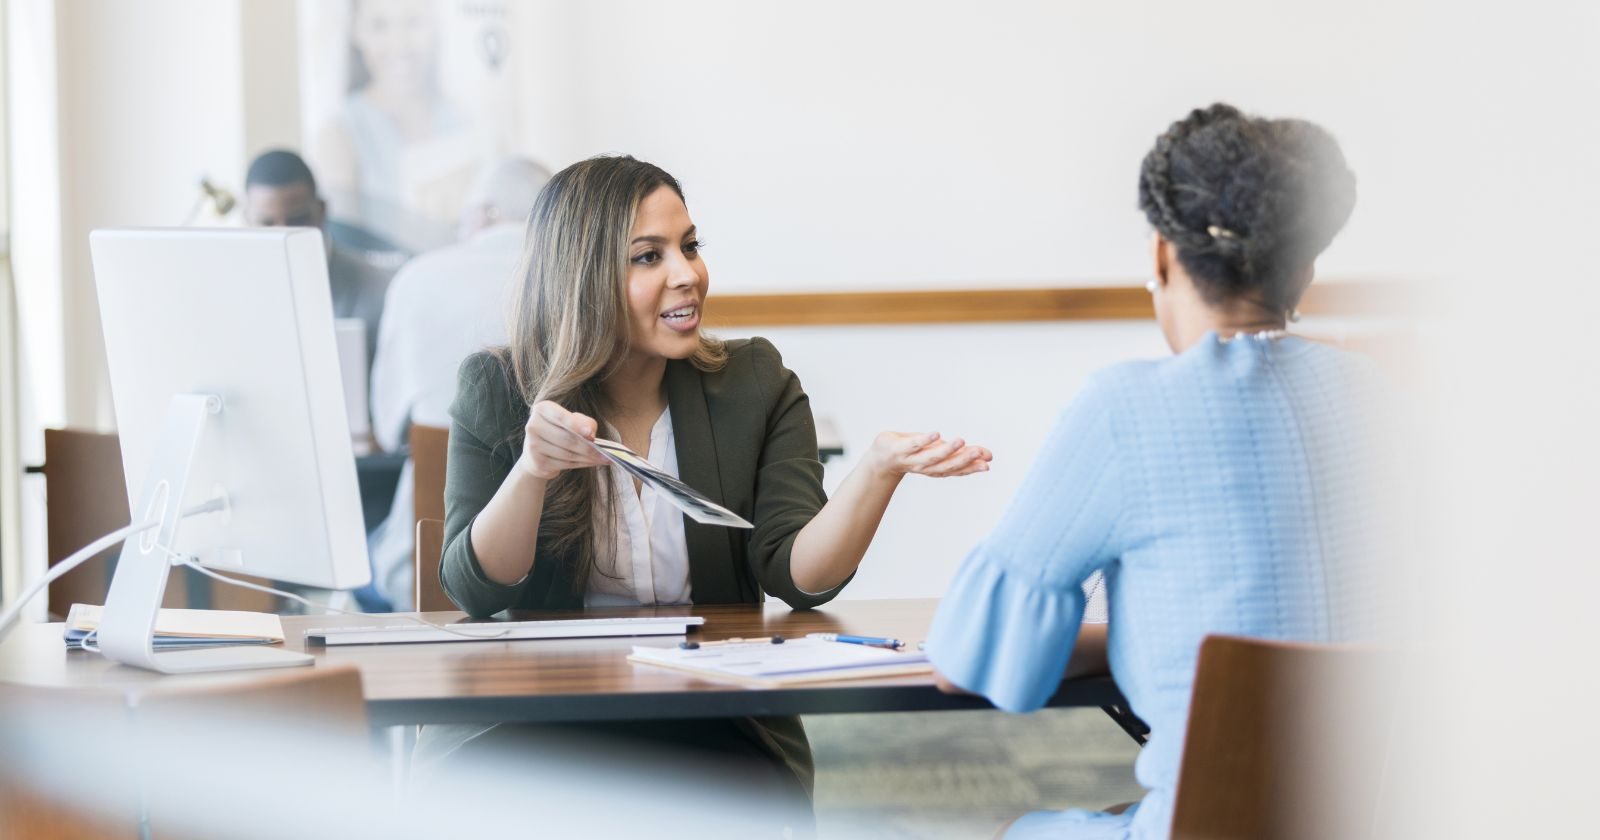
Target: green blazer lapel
(712,576)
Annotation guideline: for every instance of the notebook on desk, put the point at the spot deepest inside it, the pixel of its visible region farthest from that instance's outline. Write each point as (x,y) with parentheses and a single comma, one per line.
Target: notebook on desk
(795,662)
(186,628)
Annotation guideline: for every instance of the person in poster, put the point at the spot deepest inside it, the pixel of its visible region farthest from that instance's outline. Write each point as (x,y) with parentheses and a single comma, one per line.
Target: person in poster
(397,154)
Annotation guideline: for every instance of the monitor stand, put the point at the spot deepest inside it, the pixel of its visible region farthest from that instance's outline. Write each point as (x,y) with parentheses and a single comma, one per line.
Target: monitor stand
(127,625)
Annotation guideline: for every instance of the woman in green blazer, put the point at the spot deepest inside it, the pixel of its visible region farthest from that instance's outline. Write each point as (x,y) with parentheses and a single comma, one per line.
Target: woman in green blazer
(606,342)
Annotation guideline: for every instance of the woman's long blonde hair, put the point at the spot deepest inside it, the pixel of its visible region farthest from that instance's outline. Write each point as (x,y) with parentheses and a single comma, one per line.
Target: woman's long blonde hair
(569,328)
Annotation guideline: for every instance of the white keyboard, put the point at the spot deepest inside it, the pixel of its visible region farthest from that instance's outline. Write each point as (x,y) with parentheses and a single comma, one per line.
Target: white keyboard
(407,632)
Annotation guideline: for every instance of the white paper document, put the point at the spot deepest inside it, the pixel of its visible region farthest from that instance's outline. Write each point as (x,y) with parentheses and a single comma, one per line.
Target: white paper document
(794,661)
(682,496)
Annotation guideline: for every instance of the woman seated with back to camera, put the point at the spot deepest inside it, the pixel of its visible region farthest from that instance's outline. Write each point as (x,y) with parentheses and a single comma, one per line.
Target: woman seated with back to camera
(1221,490)
(607,342)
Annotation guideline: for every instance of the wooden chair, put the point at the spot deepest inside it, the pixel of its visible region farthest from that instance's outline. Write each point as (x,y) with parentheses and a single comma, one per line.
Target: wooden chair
(326,703)
(1276,744)
(49,803)
(427,592)
(86,498)
(430,445)
(327,699)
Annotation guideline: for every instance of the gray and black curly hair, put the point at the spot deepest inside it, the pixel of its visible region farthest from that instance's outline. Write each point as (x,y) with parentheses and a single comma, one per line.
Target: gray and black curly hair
(1248,202)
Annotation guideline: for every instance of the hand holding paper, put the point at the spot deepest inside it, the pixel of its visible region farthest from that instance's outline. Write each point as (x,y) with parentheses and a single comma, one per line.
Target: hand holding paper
(556,439)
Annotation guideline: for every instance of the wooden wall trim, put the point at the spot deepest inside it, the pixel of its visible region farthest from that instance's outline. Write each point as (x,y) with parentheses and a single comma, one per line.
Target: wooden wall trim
(1086,303)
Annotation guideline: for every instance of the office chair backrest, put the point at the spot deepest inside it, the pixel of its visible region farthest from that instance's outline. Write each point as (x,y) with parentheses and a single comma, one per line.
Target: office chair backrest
(85,499)
(48,802)
(428,592)
(245,722)
(1284,741)
(327,698)
(430,445)
(57,780)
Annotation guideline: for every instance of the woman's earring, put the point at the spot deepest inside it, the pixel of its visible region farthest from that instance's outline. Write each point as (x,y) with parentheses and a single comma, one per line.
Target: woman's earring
(1150,286)
(1294,316)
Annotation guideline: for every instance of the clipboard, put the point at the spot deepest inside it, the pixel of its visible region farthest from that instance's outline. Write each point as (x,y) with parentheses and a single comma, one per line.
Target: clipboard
(795,662)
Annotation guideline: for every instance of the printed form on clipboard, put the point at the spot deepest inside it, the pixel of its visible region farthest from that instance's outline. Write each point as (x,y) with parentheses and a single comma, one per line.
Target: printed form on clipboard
(795,662)
(682,496)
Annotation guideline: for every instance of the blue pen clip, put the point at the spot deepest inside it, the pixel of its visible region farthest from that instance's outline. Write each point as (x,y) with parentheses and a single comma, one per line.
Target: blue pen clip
(869,641)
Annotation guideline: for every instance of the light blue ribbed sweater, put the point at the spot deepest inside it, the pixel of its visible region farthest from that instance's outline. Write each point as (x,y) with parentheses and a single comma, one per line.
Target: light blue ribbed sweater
(1223,490)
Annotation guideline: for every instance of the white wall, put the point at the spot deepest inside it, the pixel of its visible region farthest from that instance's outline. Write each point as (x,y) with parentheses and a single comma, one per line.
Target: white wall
(120,109)
(30,57)
(149,99)
(839,145)
(269,84)
(34,215)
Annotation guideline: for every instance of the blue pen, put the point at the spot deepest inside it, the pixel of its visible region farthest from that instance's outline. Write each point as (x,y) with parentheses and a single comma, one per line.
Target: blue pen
(869,641)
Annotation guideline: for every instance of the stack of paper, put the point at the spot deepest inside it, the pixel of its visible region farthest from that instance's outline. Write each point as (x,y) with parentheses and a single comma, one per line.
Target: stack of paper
(187,628)
(793,662)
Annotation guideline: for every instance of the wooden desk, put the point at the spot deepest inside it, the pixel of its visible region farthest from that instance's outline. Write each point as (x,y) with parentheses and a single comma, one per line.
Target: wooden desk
(565,679)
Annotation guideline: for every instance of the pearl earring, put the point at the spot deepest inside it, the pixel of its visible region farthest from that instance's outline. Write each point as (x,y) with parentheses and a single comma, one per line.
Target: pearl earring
(1150,286)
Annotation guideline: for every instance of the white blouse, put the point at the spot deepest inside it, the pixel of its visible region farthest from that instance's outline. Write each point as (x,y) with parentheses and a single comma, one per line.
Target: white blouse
(648,559)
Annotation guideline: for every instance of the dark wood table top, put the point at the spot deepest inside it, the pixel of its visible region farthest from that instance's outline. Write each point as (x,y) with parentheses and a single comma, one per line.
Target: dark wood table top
(563,679)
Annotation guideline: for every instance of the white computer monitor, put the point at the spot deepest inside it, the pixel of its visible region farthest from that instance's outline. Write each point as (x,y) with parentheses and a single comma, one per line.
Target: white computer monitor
(225,376)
